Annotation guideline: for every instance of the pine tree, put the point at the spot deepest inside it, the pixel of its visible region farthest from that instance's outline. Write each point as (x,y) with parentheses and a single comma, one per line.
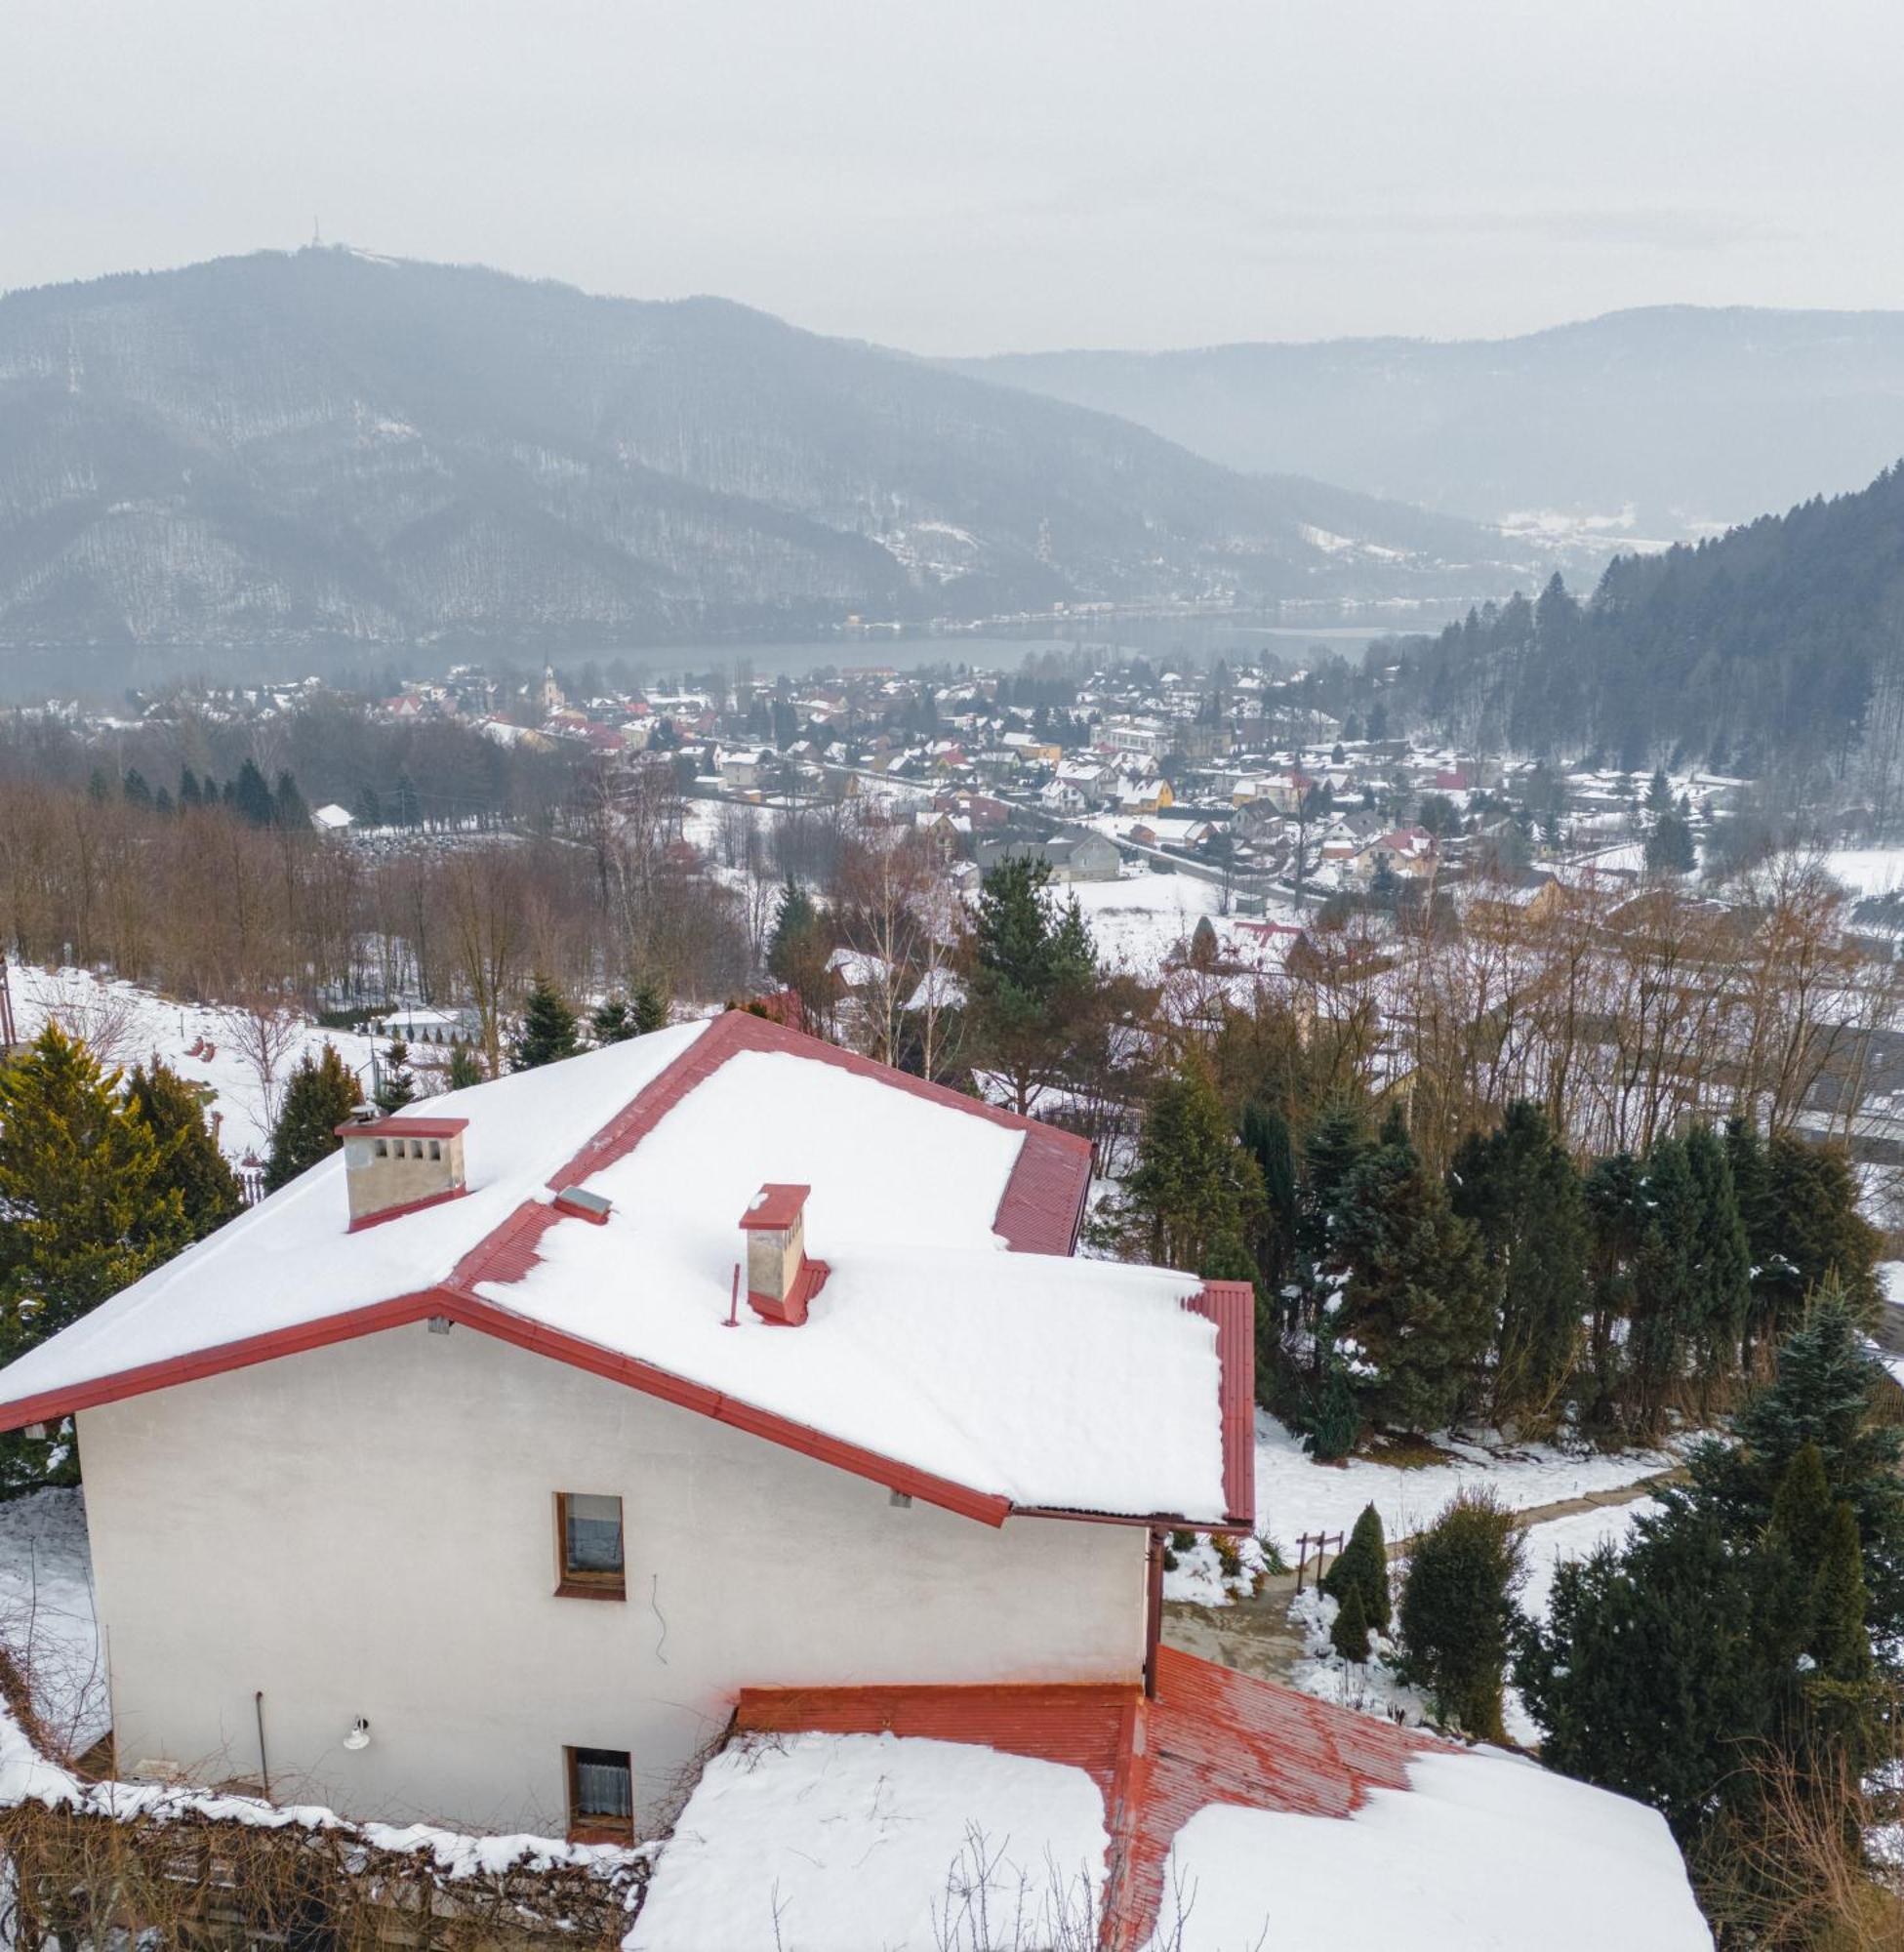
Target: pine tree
(251,797)
(1457,1612)
(188,793)
(288,809)
(368,810)
(407,808)
(1035,978)
(611,1020)
(466,1068)
(398,1084)
(1520,1187)
(1349,1631)
(1418,1305)
(648,1006)
(135,789)
(320,1096)
(189,1158)
(1193,1184)
(549,1032)
(1669,847)
(1363,1567)
(83,1185)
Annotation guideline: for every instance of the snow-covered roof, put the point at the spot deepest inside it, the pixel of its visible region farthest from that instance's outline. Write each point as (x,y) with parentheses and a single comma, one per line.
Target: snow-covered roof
(331,817)
(932,1358)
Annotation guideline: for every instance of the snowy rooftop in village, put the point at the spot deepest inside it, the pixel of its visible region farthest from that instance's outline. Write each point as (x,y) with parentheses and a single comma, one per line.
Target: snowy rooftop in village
(1013,1377)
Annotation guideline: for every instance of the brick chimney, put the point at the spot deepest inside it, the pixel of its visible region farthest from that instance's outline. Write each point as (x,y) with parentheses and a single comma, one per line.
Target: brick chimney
(394,1166)
(780,1278)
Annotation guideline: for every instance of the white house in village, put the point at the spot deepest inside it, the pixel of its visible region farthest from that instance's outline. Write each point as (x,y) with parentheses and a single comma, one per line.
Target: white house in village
(722,1416)
(468,1442)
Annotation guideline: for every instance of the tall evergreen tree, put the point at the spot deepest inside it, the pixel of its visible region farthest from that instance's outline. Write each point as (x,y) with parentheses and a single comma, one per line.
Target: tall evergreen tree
(550,1030)
(1194,1188)
(320,1096)
(189,1158)
(611,1020)
(1723,1269)
(1266,1138)
(288,807)
(1037,972)
(648,1006)
(1668,1298)
(397,1084)
(1518,1187)
(250,797)
(188,790)
(135,789)
(1337,1143)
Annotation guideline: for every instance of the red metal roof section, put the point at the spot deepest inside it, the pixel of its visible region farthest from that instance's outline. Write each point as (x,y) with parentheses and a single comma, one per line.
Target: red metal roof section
(775,1207)
(1209,1737)
(1232,1306)
(402,1129)
(377,1218)
(1043,1204)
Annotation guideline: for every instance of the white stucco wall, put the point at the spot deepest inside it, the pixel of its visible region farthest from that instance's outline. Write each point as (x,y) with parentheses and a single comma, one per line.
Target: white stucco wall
(369,1529)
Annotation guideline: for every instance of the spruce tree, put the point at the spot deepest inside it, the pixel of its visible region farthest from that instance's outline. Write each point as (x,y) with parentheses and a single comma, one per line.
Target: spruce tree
(1336,1144)
(250,797)
(466,1068)
(549,1032)
(1349,1631)
(188,790)
(398,1086)
(190,1161)
(648,1006)
(611,1020)
(320,1096)
(1457,1612)
(1035,978)
(1520,1187)
(1194,1185)
(135,789)
(1363,1567)
(288,806)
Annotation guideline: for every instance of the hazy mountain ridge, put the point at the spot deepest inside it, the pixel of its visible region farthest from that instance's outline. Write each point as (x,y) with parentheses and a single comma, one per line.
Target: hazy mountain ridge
(1687,417)
(331,447)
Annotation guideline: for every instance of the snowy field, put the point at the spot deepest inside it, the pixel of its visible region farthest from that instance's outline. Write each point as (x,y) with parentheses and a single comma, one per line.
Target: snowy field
(1296,1494)
(1868,871)
(126,1025)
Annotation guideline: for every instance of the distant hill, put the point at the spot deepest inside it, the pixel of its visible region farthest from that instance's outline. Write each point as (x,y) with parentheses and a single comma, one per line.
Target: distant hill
(1774,649)
(327,448)
(1690,418)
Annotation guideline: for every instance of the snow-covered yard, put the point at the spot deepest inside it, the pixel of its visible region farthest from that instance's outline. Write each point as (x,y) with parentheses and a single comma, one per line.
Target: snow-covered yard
(126,1025)
(48,1624)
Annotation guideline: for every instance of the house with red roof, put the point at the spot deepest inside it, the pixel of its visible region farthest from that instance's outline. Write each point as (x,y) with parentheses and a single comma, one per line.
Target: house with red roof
(714,1435)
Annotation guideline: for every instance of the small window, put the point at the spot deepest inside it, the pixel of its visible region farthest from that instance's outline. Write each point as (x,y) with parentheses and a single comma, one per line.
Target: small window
(382,1149)
(589,1541)
(416,1148)
(436,1149)
(601,1795)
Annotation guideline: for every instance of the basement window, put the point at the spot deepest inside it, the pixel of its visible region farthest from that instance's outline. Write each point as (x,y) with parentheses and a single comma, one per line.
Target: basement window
(601,1796)
(588,1546)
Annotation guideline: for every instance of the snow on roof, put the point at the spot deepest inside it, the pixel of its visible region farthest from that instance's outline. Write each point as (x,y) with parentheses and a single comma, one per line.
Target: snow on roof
(1008,1379)
(876,1844)
(332,816)
(1479,1854)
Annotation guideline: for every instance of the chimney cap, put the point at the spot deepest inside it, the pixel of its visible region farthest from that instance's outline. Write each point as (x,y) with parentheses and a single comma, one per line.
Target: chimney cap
(402,1129)
(775,1207)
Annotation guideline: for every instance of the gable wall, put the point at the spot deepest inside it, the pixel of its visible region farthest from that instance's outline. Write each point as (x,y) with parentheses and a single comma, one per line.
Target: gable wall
(369,1529)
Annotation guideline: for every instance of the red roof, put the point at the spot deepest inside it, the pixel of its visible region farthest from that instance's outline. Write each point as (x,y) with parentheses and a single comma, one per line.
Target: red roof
(775,1207)
(402,1129)
(1209,1736)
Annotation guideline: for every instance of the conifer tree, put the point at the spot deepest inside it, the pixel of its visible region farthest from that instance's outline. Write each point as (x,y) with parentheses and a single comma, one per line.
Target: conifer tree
(288,807)
(1036,975)
(1667,1299)
(398,1086)
(83,1186)
(549,1032)
(189,1158)
(321,1095)
(648,1006)
(611,1020)
(135,789)
(1194,1185)
(1266,1138)
(1520,1187)
(1457,1612)
(1723,1269)
(1349,1631)
(250,797)
(1337,1142)
(1363,1566)
(1417,1305)
(466,1068)
(188,790)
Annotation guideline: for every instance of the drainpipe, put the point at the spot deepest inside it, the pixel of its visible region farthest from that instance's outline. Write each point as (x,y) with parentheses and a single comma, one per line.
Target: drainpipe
(263,1766)
(1152,1612)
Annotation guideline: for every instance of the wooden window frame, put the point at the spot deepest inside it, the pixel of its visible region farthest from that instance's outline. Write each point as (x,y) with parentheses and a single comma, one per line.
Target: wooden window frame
(595,1829)
(574,1585)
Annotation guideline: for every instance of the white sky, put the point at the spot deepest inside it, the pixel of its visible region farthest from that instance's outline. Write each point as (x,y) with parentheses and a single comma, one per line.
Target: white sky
(976,175)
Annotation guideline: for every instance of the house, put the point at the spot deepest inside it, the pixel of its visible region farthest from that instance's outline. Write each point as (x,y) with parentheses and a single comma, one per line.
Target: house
(1407,852)
(520,1437)
(332,818)
(1070,857)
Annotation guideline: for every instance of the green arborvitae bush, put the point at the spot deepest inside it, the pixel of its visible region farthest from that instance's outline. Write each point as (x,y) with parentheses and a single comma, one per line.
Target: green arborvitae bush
(1363,1566)
(1349,1634)
(1457,1611)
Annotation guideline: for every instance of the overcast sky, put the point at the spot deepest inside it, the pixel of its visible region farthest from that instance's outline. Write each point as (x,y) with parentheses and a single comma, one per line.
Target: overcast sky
(977,175)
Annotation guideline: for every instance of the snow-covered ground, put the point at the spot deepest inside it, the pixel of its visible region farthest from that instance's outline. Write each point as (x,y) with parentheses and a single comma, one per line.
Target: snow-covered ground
(1295,1494)
(1558,1542)
(125,1025)
(1481,1853)
(1868,871)
(47,1619)
(878,1843)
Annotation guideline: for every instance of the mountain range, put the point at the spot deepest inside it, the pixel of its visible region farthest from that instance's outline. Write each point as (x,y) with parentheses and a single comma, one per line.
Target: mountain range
(329,449)
(1661,423)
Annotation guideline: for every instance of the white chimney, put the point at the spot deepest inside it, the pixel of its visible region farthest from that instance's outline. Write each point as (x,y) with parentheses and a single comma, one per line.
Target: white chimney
(780,1278)
(394,1166)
